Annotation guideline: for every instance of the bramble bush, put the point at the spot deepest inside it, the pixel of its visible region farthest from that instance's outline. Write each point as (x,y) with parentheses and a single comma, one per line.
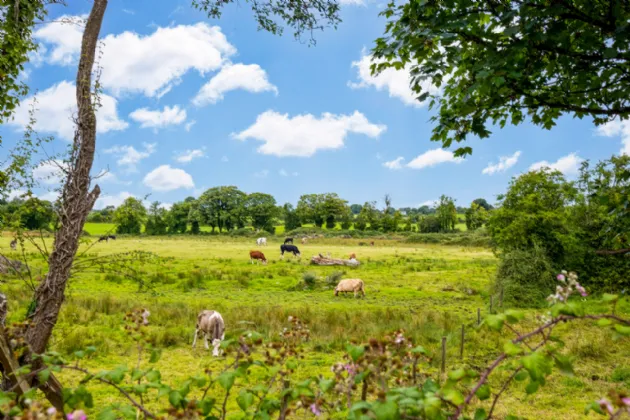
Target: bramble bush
(387,378)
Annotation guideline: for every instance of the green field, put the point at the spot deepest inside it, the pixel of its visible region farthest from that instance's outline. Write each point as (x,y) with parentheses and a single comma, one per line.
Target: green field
(429,291)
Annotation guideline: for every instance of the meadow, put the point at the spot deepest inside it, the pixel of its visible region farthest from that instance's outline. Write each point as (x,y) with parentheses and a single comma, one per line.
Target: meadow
(430,291)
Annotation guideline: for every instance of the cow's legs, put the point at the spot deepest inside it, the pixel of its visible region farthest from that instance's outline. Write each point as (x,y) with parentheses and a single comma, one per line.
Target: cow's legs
(195,339)
(205,341)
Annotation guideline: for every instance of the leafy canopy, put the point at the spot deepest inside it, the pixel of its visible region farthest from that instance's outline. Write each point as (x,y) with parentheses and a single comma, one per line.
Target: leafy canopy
(498,61)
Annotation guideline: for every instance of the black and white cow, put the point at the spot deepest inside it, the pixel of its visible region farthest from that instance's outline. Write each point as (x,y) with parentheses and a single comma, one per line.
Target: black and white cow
(288,240)
(289,248)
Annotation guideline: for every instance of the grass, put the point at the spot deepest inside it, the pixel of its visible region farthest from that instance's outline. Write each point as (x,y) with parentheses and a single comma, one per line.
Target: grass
(428,290)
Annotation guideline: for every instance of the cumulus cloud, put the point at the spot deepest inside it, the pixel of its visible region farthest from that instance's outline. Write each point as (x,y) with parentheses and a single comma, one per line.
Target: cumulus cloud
(352,2)
(394,164)
(429,203)
(157,119)
(55,107)
(395,82)
(303,135)
(111,200)
(249,77)
(149,64)
(432,158)
(65,36)
(568,165)
(617,128)
(128,155)
(505,163)
(189,155)
(189,125)
(165,178)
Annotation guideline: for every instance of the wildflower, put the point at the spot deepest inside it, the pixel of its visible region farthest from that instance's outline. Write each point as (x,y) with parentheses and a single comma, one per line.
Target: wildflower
(606,405)
(561,277)
(626,401)
(77,415)
(51,411)
(315,409)
(290,318)
(582,290)
(350,369)
(145,317)
(399,339)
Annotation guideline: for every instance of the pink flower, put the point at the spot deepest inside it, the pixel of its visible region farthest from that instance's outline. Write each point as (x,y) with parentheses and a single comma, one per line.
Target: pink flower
(77,415)
(349,368)
(626,401)
(561,277)
(51,411)
(606,405)
(315,409)
(581,290)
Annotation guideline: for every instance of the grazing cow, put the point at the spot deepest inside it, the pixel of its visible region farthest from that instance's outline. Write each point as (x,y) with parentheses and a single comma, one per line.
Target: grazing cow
(303,241)
(261,241)
(14,244)
(112,237)
(210,324)
(350,285)
(353,256)
(103,238)
(289,248)
(288,240)
(372,243)
(258,256)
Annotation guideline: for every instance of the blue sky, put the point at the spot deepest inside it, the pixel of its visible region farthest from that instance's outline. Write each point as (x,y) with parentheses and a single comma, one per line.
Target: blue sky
(191,103)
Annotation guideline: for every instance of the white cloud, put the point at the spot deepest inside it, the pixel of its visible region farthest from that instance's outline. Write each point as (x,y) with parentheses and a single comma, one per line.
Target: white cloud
(249,77)
(165,206)
(505,163)
(225,159)
(433,157)
(352,2)
(51,196)
(395,82)
(65,34)
(304,135)
(189,125)
(165,178)
(129,11)
(19,193)
(394,164)
(128,155)
(282,172)
(106,177)
(150,64)
(262,174)
(159,119)
(430,203)
(189,155)
(49,172)
(55,107)
(111,200)
(568,165)
(617,128)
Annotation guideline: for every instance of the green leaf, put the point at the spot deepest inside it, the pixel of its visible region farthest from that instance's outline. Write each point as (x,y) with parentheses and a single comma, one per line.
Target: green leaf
(175,398)
(514,316)
(594,406)
(622,329)
(606,297)
(419,350)
(326,384)
(226,380)
(564,364)
(79,354)
(355,352)
(512,349)
(136,374)
(361,405)
(387,410)
(155,355)
(153,375)
(532,387)
(457,375)
(453,395)
(495,322)
(521,376)
(537,364)
(107,414)
(480,414)
(43,376)
(206,405)
(245,399)
(483,393)
(604,322)
(610,52)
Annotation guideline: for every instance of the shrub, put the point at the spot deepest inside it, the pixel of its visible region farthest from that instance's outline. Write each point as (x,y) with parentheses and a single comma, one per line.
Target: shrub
(526,277)
(333,278)
(309,278)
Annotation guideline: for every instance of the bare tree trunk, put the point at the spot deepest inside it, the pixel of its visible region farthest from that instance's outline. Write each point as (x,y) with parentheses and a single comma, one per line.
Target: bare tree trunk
(76,203)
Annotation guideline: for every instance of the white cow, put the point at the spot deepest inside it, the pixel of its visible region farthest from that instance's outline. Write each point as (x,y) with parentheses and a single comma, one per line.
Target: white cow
(261,241)
(210,323)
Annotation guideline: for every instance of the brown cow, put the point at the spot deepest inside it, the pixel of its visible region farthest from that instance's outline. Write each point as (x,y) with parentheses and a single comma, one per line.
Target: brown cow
(258,256)
(372,243)
(353,256)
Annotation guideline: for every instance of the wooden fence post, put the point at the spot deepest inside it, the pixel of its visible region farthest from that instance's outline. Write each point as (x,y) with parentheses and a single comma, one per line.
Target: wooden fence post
(461,345)
(443,354)
(501,298)
(478,316)
(491,303)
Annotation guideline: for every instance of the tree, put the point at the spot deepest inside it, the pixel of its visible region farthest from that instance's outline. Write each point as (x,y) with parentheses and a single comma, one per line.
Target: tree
(370,216)
(429,224)
(534,212)
(356,209)
(308,209)
(130,216)
(346,218)
(331,208)
(177,217)
(156,223)
(291,218)
(262,210)
(36,214)
(223,207)
(481,202)
(446,214)
(476,216)
(495,65)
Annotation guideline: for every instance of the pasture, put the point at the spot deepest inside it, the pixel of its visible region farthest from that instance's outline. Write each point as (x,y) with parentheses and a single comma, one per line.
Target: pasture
(429,291)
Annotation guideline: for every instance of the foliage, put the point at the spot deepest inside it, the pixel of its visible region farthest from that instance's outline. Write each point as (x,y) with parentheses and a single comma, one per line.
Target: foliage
(476,216)
(222,207)
(291,218)
(262,210)
(303,16)
(356,209)
(321,208)
(156,223)
(494,65)
(446,214)
(31,214)
(130,216)
(105,215)
(477,238)
(430,224)
(481,202)
(177,217)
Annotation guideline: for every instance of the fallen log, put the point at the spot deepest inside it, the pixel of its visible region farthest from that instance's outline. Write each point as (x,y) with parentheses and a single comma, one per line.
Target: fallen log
(321,260)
